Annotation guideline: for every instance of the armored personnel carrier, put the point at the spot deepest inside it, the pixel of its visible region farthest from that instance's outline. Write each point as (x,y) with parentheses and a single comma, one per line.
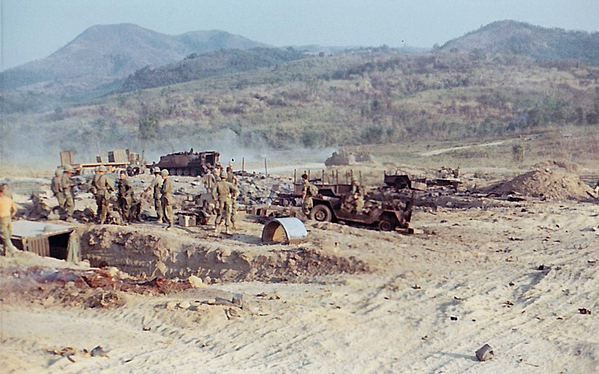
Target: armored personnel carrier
(188,163)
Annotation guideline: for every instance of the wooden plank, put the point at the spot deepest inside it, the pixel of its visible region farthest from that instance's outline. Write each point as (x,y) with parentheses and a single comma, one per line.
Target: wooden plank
(66,158)
(120,156)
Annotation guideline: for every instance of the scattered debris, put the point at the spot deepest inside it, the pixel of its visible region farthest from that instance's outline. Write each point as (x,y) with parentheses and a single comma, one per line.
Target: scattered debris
(584,311)
(485,353)
(70,352)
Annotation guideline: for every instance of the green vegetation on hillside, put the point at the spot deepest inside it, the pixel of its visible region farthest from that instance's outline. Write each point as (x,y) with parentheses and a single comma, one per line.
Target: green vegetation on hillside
(361,97)
(217,63)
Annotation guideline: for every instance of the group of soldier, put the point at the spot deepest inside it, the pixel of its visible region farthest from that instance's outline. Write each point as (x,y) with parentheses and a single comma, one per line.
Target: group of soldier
(102,188)
(221,184)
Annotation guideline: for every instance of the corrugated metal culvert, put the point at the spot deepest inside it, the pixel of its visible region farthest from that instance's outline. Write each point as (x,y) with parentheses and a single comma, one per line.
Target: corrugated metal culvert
(284,230)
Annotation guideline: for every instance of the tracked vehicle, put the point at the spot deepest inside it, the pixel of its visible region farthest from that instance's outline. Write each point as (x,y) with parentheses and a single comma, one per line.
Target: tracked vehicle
(188,163)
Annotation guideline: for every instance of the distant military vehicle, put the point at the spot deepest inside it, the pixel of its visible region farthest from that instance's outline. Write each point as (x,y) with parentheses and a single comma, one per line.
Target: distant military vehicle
(347,158)
(188,163)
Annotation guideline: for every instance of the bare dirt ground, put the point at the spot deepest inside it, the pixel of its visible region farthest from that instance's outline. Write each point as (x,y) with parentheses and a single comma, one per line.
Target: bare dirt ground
(519,276)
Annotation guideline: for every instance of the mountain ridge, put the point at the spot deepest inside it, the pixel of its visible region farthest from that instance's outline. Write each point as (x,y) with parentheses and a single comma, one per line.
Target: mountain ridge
(521,38)
(103,53)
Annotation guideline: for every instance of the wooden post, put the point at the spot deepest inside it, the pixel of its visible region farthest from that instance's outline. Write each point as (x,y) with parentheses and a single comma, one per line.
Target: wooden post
(265,167)
(243,164)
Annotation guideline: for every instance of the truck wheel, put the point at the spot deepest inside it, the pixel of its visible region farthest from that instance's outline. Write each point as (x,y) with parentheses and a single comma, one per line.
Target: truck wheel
(133,171)
(321,213)
(386,225)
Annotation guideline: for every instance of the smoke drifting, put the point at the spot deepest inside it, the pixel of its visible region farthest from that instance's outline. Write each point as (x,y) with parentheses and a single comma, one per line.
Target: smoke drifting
(25,147)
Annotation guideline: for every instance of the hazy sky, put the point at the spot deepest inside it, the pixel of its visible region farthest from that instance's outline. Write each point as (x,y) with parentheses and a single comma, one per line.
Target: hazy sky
(33,29)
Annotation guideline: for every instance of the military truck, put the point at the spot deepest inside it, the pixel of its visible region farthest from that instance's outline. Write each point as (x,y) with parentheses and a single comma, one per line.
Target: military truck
(330,205)
(188,163)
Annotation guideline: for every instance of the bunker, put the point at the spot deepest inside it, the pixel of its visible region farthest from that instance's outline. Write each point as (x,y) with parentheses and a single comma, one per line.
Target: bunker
(45,239)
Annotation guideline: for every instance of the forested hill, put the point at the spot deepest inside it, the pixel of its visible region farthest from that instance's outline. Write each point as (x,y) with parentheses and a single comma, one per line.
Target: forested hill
(511,37)
(104,53)
(211,64)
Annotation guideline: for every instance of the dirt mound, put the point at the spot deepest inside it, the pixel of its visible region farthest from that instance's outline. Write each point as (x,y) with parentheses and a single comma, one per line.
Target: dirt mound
(560,166)
(152,254)
(546,183)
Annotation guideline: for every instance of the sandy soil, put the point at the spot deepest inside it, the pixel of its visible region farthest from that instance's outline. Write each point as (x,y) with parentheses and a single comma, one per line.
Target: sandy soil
(521,277)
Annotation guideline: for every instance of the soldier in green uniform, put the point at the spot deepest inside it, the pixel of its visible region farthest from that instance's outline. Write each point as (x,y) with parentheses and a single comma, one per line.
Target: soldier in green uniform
(92,186)
(68,188)
(222,193)
(124,195)
(357,197)
(56,187)
(168,199)
(233,180)
(156,186)
(209,182)
(308,191)
(104,188)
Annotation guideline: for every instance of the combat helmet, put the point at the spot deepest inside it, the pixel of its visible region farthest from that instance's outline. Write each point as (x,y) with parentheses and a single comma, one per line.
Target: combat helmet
(156,170)
(164,172)
(102,168)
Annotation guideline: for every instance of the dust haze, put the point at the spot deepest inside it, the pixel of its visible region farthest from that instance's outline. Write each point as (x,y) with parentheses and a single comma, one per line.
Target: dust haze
(26,148)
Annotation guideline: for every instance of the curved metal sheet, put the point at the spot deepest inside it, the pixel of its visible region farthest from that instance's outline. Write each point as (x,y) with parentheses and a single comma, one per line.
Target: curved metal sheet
(288,230)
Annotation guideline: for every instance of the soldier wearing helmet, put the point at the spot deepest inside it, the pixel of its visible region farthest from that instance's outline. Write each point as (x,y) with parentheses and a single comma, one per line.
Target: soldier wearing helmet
(92,186)
(156,185)
(167,198)
(209,181)
(233,180)
(56,187)
(104,188)
(125,195)
(68,188)
(222,194)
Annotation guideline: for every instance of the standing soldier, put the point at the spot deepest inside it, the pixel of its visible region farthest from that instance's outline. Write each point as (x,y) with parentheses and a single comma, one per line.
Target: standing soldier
(168,199)
(92,187)
(217,171)
(233,180)
(156,186)
(104,188)
(308,191)
(125,196)
(209,182)
(56,187)
(68,188)
(222,193)
(357,197)
(7,211)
